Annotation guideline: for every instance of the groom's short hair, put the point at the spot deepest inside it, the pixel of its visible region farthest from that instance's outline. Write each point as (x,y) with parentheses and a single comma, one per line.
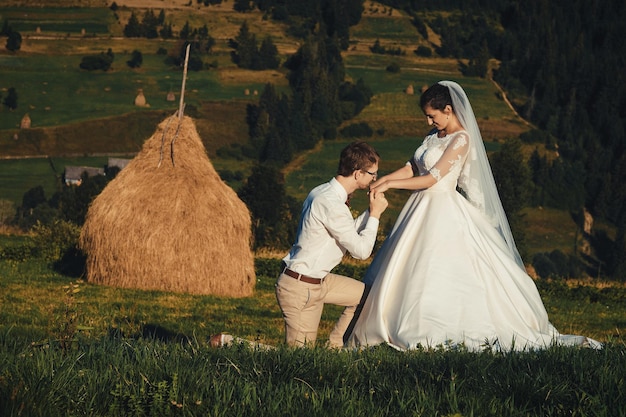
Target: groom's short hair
(355,156)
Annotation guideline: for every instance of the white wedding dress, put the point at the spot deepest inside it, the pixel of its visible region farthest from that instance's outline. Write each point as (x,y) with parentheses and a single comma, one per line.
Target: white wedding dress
(445,277)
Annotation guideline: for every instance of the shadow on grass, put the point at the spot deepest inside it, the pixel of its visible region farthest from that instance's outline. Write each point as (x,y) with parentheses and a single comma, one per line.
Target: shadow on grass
(152,332)
(72,263)
(157,332)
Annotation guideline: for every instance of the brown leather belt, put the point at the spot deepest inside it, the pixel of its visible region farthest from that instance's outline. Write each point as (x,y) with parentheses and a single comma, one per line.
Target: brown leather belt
(303,278)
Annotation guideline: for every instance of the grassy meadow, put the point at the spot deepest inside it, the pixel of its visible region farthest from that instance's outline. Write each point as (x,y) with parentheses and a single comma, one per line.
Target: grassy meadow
(72,348)
(55,91)
(61,20)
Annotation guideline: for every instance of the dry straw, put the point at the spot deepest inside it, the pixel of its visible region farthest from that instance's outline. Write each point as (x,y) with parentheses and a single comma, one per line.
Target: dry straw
(170,225)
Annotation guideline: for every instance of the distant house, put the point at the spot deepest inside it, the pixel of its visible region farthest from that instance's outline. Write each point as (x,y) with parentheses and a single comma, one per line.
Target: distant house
(73,174)
(117,163)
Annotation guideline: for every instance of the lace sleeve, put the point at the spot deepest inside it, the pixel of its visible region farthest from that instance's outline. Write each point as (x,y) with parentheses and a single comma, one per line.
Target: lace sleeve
(453,156)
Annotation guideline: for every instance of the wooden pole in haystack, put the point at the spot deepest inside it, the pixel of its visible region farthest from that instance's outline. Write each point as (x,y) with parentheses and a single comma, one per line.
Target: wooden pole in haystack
(181,104)
(173,227)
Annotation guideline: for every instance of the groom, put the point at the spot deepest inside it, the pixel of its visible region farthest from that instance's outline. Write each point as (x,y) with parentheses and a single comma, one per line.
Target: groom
(326,232)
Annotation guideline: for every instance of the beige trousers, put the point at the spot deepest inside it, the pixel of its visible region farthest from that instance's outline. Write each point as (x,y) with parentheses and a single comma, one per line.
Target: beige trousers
(302,304)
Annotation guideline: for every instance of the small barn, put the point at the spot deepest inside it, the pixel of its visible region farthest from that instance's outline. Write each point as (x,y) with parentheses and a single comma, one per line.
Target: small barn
(73,174)
(117,163)
(168,222)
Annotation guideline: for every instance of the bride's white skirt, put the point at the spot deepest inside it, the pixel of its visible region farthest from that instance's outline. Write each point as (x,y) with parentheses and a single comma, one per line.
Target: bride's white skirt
(444,277)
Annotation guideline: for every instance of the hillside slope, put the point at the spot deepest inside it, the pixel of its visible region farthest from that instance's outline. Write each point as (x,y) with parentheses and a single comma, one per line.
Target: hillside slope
(391,110)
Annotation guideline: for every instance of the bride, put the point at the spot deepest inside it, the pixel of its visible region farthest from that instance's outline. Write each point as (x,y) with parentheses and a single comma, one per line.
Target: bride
(449,273)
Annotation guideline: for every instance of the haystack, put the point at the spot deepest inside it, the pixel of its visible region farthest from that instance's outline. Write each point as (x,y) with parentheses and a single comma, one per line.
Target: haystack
(140,99)
(168,222)
(25,122)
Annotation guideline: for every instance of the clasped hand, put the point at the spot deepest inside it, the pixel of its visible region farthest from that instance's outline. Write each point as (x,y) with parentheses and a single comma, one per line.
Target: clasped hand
(378,202)
(379,186)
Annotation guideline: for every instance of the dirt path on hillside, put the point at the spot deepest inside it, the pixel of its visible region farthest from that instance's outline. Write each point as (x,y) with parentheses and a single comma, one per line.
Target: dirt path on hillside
(508,103)
(301,158)
(169,4)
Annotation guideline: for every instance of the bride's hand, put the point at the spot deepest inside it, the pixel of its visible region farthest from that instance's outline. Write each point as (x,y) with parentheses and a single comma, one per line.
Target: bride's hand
(379,186)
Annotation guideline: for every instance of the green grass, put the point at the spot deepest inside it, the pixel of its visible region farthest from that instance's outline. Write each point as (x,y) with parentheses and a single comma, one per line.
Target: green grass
(381,81)
(118,377)
(64,93)
(58,20)
(390,98)
(389,29)
(445,66)
(109,352)
(34,302)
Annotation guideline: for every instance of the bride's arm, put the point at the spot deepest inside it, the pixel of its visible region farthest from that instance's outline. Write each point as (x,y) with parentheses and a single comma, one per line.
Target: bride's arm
(419,182)
(401,173)
(381,184)
(453,155)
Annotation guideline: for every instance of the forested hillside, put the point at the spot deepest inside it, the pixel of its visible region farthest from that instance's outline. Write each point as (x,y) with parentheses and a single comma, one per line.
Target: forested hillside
(558,62)
(561,63)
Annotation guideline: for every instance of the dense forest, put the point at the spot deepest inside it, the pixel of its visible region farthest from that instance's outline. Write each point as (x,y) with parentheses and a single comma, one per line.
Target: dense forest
(559,62)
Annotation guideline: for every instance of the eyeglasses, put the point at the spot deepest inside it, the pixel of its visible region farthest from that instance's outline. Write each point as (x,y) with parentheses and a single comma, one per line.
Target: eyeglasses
(373,174)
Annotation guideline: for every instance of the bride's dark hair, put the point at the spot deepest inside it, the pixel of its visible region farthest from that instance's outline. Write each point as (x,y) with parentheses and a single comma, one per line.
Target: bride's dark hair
(436,96)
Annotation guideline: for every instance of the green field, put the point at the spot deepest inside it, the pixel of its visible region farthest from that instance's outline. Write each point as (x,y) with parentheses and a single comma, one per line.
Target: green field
(61,20)
(389,92)
(72,348)
(385,28)
(34,297)
(55,91)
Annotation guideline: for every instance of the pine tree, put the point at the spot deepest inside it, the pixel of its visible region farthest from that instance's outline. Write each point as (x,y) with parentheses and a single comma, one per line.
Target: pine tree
(10,101)
(166,31)
(268,54)
(246,54)
(136,59)
(203,32)
(132,28)
(479,65)
(618,257)
(185,32)
(242,6)
(6,28)
(265,195)
(149,25)
(513,180)
(14,41)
